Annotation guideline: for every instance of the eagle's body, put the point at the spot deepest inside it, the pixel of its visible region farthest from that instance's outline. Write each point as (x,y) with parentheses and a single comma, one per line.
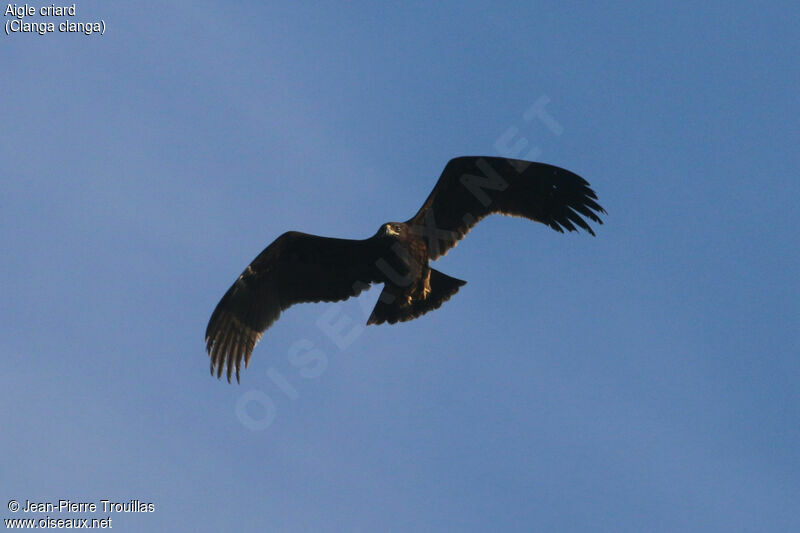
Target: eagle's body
(298,267)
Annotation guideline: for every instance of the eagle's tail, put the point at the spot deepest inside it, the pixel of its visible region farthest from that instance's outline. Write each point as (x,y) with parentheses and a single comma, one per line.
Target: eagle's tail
(393,305)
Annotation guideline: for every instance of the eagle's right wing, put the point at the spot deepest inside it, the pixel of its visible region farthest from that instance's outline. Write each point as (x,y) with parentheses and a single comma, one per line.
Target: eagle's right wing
(471,188)
(295,268)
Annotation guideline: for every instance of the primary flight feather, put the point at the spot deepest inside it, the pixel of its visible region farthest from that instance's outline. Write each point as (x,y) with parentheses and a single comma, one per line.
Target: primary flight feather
(298,267)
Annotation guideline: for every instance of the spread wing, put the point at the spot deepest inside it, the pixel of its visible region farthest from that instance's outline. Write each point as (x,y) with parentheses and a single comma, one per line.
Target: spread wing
(471,188)
(295,268)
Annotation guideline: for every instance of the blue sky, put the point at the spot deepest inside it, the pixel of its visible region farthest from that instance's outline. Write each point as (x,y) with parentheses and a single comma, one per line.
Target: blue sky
(643,380)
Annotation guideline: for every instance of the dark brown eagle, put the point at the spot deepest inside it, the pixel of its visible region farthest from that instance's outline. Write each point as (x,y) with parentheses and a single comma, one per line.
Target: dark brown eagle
(298,267)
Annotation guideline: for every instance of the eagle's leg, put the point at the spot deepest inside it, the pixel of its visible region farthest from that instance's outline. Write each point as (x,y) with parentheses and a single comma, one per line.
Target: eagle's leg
(426,293)
(426,284)
(420,290)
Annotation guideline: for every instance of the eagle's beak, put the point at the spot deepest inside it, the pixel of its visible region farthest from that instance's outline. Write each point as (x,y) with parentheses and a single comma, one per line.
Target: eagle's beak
(387,230)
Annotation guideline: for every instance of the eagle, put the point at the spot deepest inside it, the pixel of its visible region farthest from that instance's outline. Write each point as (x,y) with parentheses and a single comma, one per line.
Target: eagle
(299,267)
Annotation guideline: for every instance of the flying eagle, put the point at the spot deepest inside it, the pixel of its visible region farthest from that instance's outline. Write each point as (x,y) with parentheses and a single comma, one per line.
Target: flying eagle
(298,267)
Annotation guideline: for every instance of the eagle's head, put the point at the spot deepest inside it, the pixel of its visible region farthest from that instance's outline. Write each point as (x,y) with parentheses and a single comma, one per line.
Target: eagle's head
(392,229)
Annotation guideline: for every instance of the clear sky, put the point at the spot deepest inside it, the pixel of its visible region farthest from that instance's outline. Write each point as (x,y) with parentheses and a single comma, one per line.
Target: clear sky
(647,379)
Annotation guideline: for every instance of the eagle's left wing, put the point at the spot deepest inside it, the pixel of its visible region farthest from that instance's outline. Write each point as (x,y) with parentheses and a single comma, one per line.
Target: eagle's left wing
(295,268)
